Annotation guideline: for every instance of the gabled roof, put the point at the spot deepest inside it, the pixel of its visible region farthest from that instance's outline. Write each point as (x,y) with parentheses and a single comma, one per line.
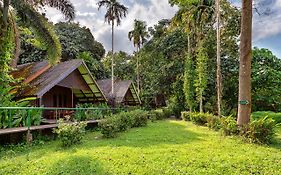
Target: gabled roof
(121,87)
(43,77)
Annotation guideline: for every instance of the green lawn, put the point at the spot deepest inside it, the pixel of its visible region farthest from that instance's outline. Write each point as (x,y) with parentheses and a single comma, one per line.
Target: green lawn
(166,147)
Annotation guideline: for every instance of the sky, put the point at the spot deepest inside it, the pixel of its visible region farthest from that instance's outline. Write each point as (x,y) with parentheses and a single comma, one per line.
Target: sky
(266,23)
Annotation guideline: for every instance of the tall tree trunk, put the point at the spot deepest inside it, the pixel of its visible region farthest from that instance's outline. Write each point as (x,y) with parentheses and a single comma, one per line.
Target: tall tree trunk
(138,72)
(15,60)
(5,12)
(112,60)
(244,105)
(219,76)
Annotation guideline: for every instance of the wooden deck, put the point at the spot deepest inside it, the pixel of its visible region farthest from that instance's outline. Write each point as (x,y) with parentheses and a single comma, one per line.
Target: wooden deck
(35,128)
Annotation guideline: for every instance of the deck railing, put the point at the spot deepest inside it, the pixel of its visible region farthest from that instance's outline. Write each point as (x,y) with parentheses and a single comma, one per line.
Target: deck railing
(57,112)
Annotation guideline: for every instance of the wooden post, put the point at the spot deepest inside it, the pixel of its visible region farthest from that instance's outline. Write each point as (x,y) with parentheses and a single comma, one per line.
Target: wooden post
(72,103)
(29,134)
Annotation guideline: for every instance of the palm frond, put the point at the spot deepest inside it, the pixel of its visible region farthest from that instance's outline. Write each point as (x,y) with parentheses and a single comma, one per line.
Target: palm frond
(65,6)
(139,33)
(115,11)
(103,3)
(41,28)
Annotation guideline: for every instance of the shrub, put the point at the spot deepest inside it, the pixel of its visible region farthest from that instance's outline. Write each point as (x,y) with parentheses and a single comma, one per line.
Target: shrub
(99,113)
(213,122)
(199,118)
(80,115)
(140,118)
(152,115)
(70,133)
(259,131)
(123,121)
(261,114)
(185,115)
(228,126)
(167,113)
(177,102)
(159,114)
(108,127)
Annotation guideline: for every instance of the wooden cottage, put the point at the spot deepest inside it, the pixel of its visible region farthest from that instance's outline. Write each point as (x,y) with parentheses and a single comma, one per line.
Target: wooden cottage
(124,92)
(63,85)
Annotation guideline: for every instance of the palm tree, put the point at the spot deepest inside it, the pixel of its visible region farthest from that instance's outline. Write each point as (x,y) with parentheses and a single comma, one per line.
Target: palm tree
(219,76)
(139,36)
(27,11)
(244,105)
(115,12)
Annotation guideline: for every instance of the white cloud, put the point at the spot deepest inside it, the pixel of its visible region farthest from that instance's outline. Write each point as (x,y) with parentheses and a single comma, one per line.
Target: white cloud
(267,25)
(87,14)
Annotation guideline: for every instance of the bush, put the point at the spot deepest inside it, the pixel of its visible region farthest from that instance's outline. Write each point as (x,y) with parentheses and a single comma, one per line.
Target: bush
(261,114)
(259,131)
(185,115)
(199,118)
(123,121)
(152,115)
(228,126)
(213,122)
(167,113)
(158,114)
(99,113)
(108,127)
(70,133)
(140,118)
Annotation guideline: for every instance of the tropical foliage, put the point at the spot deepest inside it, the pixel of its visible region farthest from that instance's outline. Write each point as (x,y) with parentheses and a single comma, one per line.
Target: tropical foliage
(16,117)
(139,36)
(28,13)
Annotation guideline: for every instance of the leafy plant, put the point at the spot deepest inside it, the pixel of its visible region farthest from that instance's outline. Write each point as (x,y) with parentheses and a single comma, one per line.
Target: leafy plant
(229,126)
(167,112)
(261,114)
(70,133)
(159,114)
(108,127)
(20,117)
(124,121)
(101,111)
(199,118)
(201,71)
(213,122)
(259,131)
(140,118)
(185,115)
(17,117)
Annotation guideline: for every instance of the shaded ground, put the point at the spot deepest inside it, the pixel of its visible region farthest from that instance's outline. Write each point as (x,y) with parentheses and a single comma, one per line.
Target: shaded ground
(166,147)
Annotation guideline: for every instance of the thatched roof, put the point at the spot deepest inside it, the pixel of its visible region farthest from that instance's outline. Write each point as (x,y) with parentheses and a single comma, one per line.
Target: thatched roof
(38,78)
(121,89)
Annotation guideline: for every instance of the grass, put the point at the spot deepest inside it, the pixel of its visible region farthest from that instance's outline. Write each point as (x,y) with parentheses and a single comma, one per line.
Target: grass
(166,147)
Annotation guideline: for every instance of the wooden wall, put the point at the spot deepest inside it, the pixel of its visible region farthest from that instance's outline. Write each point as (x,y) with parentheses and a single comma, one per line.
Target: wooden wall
(58,97)
(75,81)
